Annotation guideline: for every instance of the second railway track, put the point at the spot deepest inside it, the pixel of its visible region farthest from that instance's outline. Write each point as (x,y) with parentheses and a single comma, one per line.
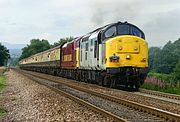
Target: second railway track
(156,93)
(152,113)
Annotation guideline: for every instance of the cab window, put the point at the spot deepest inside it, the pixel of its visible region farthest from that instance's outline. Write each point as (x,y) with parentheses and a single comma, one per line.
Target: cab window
(110,32)
(123,30)
(136,32)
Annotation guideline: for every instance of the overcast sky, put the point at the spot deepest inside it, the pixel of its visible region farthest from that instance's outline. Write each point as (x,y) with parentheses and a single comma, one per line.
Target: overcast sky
(22,20)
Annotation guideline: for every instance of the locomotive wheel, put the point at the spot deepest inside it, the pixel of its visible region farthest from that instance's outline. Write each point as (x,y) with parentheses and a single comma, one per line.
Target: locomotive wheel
(100,80)
(113,82)
(107,81)
(137,85)
(77,76)
(81,76)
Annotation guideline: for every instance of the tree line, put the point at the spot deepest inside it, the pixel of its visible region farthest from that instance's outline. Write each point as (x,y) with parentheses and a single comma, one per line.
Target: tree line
(37,46)
(166,60)
(4,55)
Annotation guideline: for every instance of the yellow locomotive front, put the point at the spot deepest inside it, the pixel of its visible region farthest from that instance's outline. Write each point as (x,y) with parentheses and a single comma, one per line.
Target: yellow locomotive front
(126,54)
(126,51)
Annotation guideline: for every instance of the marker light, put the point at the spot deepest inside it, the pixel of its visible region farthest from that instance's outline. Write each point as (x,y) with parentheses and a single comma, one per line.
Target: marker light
(128,56)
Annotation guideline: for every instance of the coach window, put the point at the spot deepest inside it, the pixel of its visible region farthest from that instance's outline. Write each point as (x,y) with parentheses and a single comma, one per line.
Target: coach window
(110,32)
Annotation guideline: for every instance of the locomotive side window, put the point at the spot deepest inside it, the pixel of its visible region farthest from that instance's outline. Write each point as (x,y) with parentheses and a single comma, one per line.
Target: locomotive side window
(86,56)
(110,32)
(87,47)
(91,42)
(123,29)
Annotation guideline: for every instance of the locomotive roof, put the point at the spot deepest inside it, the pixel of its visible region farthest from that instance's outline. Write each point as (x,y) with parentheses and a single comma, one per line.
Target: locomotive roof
(105,27)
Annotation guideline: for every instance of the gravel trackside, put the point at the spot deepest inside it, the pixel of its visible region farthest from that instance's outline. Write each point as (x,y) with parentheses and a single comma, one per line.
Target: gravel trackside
(26,100)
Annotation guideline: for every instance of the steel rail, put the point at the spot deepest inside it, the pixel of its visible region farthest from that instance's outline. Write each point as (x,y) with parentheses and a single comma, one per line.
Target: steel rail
(80,101)
(161,94)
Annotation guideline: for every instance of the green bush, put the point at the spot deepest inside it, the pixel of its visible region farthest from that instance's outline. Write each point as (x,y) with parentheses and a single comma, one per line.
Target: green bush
(2,112)
(167,89)
(165,77)
(170,85)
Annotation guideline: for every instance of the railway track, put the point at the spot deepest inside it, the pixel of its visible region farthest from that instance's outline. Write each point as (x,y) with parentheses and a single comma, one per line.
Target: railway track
(161,94)
(164,103)
(158,114)
(54,85)
(145,94)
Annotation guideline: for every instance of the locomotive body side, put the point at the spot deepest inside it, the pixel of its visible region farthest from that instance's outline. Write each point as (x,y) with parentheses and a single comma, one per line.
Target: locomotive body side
(68,55)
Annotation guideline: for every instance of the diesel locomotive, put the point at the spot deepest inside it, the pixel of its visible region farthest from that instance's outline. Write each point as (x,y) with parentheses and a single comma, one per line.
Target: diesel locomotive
(112,55)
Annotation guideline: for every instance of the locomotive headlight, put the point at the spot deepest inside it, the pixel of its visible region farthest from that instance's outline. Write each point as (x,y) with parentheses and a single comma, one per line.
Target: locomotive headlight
(128,56)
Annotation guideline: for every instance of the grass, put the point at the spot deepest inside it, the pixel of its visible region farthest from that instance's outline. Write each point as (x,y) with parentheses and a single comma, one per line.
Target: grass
(2,112)
(2,82)
(166,89)
(2,86)
(162,82)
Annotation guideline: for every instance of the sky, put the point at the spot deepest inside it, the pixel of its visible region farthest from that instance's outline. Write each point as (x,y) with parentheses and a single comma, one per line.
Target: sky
(23,20)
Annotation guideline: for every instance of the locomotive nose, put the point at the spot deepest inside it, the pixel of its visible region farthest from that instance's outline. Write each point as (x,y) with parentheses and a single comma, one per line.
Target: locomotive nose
(127,46)
(126,51)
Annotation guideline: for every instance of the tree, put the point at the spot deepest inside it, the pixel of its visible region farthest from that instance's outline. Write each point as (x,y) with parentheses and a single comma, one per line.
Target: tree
(177,71)
(154,58)
(168,59)
(36,46)
(4,55)
(62,41)
(164,60)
